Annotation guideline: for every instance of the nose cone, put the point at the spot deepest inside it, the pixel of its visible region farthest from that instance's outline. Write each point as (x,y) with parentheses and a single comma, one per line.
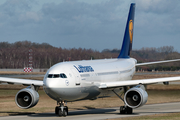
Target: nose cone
(59,85)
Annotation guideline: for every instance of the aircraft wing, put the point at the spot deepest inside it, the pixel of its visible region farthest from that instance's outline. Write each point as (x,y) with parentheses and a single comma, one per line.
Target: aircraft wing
(136,82)
(21,81)
(150,63)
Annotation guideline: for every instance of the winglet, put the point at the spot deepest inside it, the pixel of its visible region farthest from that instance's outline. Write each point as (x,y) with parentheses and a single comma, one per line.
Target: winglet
(128,35)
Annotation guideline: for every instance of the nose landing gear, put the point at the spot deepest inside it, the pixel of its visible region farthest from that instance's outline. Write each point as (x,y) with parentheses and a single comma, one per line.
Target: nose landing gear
(61,110)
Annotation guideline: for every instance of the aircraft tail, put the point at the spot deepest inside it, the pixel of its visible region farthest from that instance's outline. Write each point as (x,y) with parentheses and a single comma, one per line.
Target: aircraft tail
(128,35)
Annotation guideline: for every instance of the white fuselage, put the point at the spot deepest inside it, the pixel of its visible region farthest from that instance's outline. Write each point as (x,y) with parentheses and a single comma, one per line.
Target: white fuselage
(79,80)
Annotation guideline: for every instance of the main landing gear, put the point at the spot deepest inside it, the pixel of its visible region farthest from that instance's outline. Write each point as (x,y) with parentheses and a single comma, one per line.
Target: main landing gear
(61,110)
(124,109)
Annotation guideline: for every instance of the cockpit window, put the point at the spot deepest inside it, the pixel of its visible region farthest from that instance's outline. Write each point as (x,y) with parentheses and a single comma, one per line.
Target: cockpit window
(56,76)
(50,75)
(62,75)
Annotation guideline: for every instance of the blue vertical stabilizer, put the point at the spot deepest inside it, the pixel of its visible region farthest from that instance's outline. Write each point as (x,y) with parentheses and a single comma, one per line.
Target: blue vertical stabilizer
(128,35)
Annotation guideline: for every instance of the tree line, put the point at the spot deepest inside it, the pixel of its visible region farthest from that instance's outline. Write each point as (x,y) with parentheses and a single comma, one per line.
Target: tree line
(150,54)
(16,55)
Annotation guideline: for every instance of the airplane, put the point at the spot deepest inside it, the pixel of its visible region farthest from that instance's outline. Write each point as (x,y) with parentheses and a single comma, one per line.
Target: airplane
(92,79)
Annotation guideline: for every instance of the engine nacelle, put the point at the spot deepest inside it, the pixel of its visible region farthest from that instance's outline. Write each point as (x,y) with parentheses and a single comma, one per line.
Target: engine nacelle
(27,98)
(136,97)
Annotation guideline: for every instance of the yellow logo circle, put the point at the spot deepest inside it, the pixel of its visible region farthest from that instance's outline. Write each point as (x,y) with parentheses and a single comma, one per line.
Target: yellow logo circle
(131,30)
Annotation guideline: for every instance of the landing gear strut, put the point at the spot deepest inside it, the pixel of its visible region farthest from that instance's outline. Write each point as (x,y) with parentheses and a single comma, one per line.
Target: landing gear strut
(124,109)
(61,110)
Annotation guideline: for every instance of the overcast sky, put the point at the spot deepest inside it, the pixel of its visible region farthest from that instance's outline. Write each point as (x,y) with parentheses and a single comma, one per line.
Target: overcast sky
(95,24)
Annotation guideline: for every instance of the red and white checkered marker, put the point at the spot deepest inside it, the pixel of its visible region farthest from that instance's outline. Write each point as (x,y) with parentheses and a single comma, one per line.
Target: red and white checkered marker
(28,69)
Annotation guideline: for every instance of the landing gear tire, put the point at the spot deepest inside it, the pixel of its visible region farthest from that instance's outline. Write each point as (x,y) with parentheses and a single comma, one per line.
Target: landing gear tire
(125,110)
(60,112)
(56,110)
(66,108)
(65,113)
(129,110)
(122,110)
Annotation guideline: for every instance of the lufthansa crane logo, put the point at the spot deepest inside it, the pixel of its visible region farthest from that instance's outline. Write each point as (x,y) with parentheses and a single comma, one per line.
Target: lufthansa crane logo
(131,30)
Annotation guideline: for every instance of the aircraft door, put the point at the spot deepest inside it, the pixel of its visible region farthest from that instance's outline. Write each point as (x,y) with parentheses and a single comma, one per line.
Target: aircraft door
(76,75)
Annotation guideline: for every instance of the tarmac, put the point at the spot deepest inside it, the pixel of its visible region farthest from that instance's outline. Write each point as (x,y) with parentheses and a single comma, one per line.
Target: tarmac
(101,114)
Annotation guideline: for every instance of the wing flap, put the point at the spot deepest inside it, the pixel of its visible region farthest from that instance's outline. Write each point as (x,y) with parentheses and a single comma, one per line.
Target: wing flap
(21,81)
(136,82)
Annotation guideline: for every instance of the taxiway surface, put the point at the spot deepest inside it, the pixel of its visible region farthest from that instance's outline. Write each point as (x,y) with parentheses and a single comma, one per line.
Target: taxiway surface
(104,113)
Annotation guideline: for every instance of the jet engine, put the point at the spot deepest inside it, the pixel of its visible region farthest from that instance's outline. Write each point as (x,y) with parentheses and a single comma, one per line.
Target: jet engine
(27,98)
(136,97)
